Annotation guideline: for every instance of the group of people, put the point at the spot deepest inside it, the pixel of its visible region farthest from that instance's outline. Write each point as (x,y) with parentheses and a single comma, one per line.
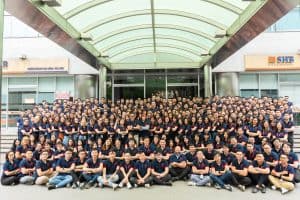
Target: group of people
(220,141)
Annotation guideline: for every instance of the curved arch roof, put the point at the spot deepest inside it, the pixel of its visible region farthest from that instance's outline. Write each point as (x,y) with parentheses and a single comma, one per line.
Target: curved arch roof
(127,28)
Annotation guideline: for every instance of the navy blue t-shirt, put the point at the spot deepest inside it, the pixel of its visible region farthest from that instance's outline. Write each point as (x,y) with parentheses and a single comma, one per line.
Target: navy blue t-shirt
(127,166)
(178,159)
(27,164)
(93,165)
(272,157)
(240,166)
(289,169)
(219,167)
(201,165)
(111,167)
(63,163)
(159,167)
(142,167)
(8,166)
(264,165)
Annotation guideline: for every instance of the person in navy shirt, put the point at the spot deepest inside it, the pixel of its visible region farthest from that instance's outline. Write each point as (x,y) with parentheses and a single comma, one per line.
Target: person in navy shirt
(282,176)
(220,173)
(178,166)
(126,171)
(250,153)
(289,128)
(293,158)
(110,171)
(200,171)
(259,171)
(239,168)
(11,170)
(142,175)
(164,149)
(44,169)
(270,156)
(27,166)
(147,148)
(227,155)
(77,174)
(91,170)
(64,168)
(160,170)
(254,130)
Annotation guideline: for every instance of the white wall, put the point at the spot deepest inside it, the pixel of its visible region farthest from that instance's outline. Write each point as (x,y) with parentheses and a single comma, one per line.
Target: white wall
(21,39)
(265,43)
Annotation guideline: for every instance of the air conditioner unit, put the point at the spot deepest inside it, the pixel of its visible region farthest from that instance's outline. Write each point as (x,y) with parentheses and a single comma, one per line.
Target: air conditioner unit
(52,3)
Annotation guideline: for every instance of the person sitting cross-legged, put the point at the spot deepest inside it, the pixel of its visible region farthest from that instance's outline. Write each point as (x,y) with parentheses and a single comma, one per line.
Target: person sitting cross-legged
(64,168)
(110,171)
(44,169)
(91,170)
(178,165)
(200,171)
(160,170)
(220,173)
(282,176)
(259,171)
(142,175)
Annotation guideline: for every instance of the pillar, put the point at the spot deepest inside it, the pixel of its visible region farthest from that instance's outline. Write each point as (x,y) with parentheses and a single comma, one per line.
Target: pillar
(102,81)
(207,80)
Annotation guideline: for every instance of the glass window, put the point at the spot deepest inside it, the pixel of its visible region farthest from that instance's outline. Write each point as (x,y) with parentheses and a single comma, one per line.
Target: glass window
(22,81)
(268,81)
(289,78)
(189,92)
(47,96)
(183,79)
(248,81)
(46,84)
(155,85)
(290,21)
(249,93)
(65,84)
(269,93)
(129,79)
(129,92)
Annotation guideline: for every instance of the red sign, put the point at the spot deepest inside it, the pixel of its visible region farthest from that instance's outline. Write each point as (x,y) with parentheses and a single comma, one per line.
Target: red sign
(62,95)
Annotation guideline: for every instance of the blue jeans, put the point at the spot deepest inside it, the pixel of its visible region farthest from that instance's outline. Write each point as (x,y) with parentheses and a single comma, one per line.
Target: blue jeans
(200,180)
(111,180)
(221,180)
(61,180)
(90,177)
(66,140)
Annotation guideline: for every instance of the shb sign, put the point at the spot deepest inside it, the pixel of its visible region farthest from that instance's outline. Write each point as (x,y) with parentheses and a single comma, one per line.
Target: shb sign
(281,59)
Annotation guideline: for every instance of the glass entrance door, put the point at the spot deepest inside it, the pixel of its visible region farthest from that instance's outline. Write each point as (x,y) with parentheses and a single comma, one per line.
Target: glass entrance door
(182,91)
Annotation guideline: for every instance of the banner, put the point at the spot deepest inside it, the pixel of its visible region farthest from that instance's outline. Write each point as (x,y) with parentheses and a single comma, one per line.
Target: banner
(35,66)
(272,62)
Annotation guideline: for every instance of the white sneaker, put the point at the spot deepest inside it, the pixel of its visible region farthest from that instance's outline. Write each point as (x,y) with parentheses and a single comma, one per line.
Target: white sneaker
(208,184)
(135,185)
(283,190)
(273,187)
(114,186)
(129,186)
(147,185)
(121,185)
(100,185)
(191,183)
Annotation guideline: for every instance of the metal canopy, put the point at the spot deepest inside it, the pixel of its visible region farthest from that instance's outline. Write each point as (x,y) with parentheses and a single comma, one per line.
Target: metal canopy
(162,31)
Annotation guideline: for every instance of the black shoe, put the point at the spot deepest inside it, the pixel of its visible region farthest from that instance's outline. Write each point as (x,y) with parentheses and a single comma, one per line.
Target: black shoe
(168,184)
(175,179)
(51,187)
(263,189)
